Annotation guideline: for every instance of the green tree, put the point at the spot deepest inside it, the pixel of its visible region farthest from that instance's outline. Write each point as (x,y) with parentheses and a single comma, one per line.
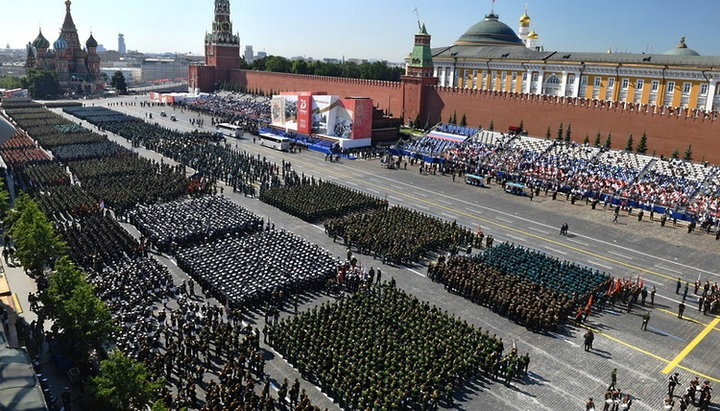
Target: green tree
(675,154)
(463,120)
(688,153)
(83,319)
(492,125)
(608,141)
(642,145)
(123,384)
(277,64)
(299,67)
(630,144)
(597,140)
(417,120)
(453,119)
(568,133)
(118,82)
(41,83)
(10,82)
(548,133)
(560,132)
(521,125)
(587,140)
(4,200)
(36,241)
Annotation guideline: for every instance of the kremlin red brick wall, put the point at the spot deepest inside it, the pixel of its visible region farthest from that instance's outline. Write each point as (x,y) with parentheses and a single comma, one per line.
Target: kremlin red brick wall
(666,132)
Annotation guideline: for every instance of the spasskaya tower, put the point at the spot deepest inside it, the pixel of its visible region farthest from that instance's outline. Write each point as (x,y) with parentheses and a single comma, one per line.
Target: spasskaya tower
(222,51)
(222,47)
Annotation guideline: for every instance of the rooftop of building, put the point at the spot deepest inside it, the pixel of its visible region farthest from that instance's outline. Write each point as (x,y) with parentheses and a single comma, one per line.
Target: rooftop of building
(490,31)
(493,39)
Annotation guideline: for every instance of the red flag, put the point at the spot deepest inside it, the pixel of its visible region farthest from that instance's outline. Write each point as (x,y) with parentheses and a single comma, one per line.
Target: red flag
(589,303)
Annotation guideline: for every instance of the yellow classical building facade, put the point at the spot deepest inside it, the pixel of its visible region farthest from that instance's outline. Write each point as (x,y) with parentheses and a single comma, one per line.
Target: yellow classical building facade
(490,55)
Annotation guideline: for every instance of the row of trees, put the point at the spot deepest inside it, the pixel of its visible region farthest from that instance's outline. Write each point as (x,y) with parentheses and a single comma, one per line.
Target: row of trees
(378,70)
(83,321)
(43,83)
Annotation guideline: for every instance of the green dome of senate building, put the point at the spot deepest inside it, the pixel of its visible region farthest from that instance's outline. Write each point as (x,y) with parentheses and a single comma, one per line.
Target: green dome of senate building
(681,50)
(490,32)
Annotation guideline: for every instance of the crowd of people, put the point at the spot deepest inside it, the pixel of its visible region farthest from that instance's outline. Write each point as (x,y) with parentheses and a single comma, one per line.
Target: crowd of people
(400,235)
(423,354)
(509,294)
(190,221)
(96,239)
(17,154)
(50,129)
(246,271)
(204,153)
(246,110)
(36,176)
(315,201)
(63,202)
(568,278)
(583,170)
(207,356)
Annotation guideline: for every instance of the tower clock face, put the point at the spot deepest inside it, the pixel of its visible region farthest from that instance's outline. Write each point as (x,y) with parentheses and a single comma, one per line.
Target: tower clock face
(225,27)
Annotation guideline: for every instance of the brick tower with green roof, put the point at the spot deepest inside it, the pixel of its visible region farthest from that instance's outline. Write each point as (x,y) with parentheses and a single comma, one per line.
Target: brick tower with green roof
(420,62)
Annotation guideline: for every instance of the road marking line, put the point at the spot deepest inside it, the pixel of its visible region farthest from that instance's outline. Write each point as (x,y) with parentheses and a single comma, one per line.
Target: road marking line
(556,335)
(318,227)
(668,298)
(667,269)
(599,264)
(654,282)
(444,201)
(504,219)
(627,257)
(578,242)
(421,206)
(449,216)
(557,251)
(515,237)
(665,333)
(691,346)
(685,317)
(475,211)
(372,190)
(538,230)
(416,272)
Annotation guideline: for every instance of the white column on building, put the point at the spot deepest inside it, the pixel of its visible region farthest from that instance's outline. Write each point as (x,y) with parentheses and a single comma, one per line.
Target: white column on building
(435,71)
(452,76)
(541,82)
(576,85)
(711,95)
(563,84)
(528,81)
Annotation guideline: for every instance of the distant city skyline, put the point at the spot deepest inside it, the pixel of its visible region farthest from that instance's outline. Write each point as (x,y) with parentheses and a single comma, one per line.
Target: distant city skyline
(380,30)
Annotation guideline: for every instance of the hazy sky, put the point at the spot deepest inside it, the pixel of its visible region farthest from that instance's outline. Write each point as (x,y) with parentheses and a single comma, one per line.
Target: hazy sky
(368,28)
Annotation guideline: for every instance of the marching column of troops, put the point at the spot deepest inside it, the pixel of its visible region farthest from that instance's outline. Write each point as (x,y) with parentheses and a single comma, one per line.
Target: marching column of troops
(382,349)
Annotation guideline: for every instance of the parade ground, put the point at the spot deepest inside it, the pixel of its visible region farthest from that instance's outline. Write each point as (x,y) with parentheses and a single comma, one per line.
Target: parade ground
(562,375)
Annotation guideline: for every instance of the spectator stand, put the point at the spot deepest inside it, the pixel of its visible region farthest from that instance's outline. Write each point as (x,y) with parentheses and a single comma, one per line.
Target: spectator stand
(442,138)
(706,203)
